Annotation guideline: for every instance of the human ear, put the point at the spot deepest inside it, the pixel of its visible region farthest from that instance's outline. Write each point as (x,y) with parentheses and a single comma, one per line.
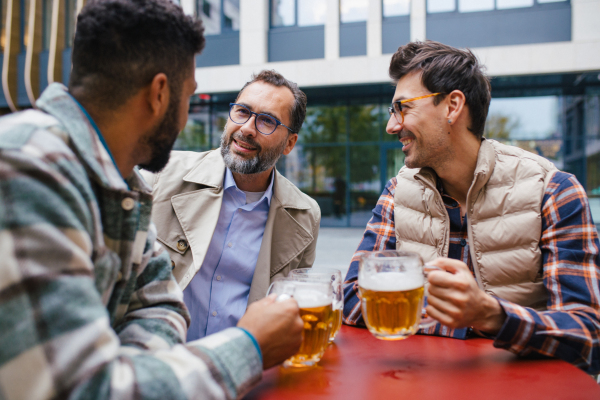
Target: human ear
(291,142)
(158,95)
(456,105)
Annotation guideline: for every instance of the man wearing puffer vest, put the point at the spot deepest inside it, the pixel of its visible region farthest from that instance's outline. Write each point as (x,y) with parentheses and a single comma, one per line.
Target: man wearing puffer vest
(513,235)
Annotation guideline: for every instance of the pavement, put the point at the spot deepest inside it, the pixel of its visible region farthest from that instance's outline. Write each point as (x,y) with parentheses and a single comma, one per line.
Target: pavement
(336,246)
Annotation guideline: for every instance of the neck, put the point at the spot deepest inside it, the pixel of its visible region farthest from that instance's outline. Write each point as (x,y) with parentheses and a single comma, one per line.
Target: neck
(457,173)
(253,182)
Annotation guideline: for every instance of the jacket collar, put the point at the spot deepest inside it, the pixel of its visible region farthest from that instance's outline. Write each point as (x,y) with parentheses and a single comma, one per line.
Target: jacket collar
(210,171)
(57,101)
(486,161)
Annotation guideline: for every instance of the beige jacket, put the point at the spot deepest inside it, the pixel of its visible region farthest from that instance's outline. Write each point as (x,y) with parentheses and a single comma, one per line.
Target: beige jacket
(187,201)
(504,220)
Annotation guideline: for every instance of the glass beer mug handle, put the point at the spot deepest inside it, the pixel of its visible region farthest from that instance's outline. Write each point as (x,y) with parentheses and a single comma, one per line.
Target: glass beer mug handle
(426,320)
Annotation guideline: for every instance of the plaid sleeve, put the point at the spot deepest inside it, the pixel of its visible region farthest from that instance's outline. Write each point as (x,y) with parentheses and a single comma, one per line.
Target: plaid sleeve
(56,337)
(570,328)
(379,235)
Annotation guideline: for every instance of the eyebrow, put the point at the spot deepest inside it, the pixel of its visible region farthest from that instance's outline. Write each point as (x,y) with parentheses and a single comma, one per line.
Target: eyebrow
(260,112)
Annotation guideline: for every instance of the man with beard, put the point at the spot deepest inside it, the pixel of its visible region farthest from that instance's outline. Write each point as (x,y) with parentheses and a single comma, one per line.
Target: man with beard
(88,304)
(512,234)
(229,220)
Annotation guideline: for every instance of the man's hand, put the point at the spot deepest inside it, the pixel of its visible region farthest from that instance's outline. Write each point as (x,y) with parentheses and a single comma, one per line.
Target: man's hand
(277,327)
(456,301)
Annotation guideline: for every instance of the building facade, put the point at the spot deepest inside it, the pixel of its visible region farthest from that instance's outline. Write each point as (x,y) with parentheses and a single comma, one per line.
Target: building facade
(543,56)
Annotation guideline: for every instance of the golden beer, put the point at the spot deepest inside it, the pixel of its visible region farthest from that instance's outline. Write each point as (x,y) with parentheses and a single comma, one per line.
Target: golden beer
(391,304)
(336,323)
(316,312)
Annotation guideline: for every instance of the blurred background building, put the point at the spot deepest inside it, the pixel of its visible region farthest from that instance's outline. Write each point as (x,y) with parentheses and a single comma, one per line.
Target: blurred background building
(543,55)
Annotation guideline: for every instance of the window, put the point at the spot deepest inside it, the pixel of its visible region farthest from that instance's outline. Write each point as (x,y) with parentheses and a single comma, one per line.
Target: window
(464,6)
(70,19)
(353,10)
(298,12)
(437,6)
(46,23)
(219,16)
(395,8)
(475,5)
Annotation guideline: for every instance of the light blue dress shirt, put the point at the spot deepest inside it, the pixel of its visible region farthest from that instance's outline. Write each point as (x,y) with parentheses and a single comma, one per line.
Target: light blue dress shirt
(217,296)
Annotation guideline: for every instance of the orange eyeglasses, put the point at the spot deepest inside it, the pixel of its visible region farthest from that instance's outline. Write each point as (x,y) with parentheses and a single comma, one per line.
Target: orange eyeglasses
(396,107)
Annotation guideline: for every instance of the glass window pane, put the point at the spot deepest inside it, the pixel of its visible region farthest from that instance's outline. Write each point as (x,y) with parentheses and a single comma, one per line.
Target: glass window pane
(550,1)
(70,19)
(46,23)
(395,161)
(364,122)
(531,123)
(324,124)
(231,15)
(210,13)
(475,5)
(283,12)
(502,4)
(354,10)
(311,12)
(436,6)
(320,172)
(394,8)
(195,135)
(365,184)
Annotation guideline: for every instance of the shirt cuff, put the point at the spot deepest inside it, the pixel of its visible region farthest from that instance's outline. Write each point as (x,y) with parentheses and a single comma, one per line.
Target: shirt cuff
(253,341)
(517,330)
(237,363)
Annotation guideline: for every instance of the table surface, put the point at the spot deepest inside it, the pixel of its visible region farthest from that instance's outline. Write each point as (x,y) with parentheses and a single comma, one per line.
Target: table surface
(358,366)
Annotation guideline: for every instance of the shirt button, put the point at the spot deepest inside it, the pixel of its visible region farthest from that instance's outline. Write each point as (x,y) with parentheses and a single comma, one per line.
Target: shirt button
(182,245)
(229,244)
(218,277)
(463,242)
(214,313)
(128,203)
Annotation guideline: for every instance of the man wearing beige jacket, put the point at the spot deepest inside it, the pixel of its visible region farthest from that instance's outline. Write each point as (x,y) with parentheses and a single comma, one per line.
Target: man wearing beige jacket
(230,221)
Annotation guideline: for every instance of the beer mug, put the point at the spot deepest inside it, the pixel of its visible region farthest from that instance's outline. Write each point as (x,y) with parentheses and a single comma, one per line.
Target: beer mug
(314,301)
(392,290)
(328,275)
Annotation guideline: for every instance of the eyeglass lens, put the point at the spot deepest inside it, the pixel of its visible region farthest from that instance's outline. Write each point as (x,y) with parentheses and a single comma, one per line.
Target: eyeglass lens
(265,124)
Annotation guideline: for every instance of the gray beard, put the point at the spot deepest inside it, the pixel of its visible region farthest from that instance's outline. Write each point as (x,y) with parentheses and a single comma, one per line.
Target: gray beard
(262,161)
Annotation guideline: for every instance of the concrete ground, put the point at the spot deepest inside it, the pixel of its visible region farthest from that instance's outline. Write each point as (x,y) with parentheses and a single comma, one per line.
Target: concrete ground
(336,246)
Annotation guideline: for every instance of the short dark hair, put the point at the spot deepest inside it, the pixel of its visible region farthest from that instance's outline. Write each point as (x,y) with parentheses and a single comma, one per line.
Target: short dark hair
(120,46)
(443,69)
(298,110)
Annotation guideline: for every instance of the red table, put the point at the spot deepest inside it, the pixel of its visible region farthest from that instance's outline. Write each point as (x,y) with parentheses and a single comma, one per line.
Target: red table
(358,366)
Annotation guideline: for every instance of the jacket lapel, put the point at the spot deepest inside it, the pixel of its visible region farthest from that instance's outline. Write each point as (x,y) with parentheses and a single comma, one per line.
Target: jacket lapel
(284,237)
(198,211)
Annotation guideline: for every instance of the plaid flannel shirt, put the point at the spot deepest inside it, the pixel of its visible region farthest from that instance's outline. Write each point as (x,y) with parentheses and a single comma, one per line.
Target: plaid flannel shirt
(570,327)
(88,304)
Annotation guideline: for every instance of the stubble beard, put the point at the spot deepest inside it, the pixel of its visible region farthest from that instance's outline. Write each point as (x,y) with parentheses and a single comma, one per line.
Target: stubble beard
(162,139)
(434,154)
(264,159)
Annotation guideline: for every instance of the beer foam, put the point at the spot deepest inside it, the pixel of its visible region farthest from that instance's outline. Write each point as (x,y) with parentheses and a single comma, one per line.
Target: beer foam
(391,281)
(309,298)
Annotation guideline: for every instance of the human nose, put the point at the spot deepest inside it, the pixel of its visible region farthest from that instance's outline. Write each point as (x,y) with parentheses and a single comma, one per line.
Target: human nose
(393,126)
(249,127)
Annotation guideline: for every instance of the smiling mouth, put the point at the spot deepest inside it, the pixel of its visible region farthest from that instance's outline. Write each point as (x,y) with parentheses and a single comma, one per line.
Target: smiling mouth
(406,141)
(243,145)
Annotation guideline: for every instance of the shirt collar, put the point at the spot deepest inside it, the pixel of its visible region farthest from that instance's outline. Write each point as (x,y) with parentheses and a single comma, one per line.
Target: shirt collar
(229,182)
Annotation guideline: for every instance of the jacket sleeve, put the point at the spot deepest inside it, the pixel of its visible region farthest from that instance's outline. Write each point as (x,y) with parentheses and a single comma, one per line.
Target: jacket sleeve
(570,327)
(57,339)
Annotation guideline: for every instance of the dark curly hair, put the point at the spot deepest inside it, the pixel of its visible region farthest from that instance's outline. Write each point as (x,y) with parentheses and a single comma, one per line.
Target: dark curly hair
(120,45)
(298,109)
(444,69)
